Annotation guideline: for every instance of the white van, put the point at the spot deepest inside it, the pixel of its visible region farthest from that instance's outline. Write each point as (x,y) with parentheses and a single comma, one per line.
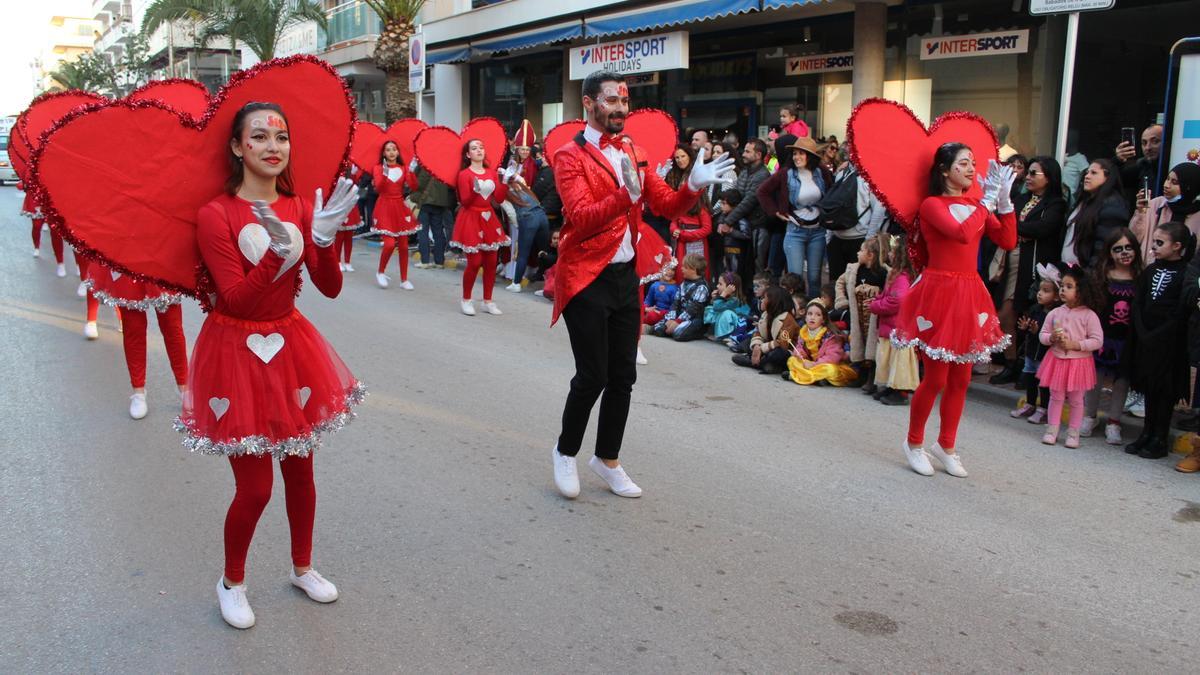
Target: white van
(7,172)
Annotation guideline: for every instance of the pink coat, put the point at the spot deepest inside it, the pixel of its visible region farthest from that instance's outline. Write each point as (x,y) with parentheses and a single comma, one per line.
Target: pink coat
(1143,223)
(832,350)
(886,305)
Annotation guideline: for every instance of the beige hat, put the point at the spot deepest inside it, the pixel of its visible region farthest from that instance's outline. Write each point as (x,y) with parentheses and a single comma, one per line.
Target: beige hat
(808,145)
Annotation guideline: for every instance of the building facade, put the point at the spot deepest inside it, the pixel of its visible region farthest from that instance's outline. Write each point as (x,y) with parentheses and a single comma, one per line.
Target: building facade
(67,38)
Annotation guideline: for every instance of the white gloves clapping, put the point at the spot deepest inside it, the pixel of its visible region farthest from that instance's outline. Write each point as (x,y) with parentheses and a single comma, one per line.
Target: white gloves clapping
(713,173)
(997,187)
(327,216)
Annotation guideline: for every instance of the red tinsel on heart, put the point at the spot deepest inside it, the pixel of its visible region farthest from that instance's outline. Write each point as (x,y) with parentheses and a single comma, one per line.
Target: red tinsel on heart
(658,144)
(493,155)
(148,92)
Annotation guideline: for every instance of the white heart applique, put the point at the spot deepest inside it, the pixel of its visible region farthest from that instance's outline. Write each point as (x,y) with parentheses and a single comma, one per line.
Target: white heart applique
(219,406)
(265,347)
(254,241)
(961,212)
(486,188)
(114,274)
(395,173)
(302,395)
(923,324)
(658,258)
(408,219)
(486,215)
(499,232)
(983,317)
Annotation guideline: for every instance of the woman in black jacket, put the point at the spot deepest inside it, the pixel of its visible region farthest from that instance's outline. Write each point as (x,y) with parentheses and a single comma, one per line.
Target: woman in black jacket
(1101,211)
(1041,217)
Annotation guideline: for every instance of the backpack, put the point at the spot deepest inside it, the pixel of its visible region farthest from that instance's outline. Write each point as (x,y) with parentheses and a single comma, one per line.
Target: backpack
(839,206)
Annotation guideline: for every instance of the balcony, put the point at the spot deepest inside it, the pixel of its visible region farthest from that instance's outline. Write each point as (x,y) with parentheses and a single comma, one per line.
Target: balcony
(113,40)
(100,7)
(353,21)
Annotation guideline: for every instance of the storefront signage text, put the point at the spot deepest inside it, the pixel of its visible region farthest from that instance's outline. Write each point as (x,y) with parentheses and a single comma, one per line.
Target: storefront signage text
(978,44)
(635,55)
(818,63)
(1037,7)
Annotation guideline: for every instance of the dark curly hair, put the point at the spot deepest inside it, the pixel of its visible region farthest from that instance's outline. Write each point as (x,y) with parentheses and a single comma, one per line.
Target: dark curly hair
(1086,292)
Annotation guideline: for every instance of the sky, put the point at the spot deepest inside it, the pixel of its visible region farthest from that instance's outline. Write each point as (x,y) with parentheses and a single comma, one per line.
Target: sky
(23,34)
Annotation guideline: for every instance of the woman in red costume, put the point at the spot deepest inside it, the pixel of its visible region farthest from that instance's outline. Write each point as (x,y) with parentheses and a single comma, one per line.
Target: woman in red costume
(265,385)
(134,299)
(345,236)
(393,220)
(948,315)
(31,210)
(689,232)
(478,232)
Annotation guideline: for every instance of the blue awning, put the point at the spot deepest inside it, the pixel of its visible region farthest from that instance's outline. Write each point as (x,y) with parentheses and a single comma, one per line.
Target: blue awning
(448,55)
(661,16)
(533,37)
(777,4)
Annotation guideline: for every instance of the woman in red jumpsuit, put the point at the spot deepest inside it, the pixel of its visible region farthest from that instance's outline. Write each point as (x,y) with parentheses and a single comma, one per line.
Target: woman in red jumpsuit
(344,245)
(478,232)
(948,315)
(31,210)
(265,384)
(392,218)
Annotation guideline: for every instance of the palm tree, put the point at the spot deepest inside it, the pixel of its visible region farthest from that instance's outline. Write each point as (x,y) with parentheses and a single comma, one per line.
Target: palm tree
(391,54)
(71,76)
(257,23)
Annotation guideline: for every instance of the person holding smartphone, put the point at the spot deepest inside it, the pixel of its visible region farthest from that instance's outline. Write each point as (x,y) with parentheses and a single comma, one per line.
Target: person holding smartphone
(1178,203)
(1134,171)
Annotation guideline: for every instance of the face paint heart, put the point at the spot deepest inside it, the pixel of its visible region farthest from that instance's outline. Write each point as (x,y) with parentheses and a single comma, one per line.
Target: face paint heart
(440,149)
(961,211)
(218,406)
(265,347)
(395,173)
(486,188)
(137,213)
(983,318)
(923,324)
(254,241)
(486,215)
(652,130)
(302,395)
(369,140)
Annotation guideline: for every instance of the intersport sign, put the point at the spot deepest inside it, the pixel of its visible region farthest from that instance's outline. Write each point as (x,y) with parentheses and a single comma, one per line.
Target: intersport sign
(646,54)
(976,44)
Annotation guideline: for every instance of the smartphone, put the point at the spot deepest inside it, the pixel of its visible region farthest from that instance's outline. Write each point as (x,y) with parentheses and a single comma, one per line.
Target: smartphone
(1127,136)
(1146,187)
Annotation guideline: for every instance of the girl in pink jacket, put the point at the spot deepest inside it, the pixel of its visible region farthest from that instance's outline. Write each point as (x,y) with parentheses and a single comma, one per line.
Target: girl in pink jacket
(1072,331)
(896,371)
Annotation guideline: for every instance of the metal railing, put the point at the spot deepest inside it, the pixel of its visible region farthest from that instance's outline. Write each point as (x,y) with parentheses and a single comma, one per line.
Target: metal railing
(351,21)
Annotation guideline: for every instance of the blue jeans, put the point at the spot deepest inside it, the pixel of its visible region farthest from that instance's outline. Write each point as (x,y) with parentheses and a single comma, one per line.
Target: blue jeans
(532,226)
(804,245)
(436,222)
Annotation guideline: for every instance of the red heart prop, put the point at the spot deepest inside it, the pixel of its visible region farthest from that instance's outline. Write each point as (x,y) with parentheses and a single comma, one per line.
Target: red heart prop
(184,96)
(440,149)
(894,152)
(137,210)
(651,129)
(369,140)
(50,108)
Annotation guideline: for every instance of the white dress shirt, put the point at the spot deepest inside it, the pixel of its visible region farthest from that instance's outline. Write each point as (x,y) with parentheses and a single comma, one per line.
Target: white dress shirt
(613,155)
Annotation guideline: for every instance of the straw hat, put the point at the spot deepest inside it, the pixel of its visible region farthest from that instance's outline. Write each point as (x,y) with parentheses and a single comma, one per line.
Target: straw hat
(810,146)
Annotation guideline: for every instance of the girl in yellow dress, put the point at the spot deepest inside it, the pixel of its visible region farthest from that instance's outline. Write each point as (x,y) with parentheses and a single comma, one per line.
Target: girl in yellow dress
(819,354)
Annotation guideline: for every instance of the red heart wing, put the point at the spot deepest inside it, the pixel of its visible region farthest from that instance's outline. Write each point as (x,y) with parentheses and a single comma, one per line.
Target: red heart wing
(440,149)
(368,143)
(50,108)
(404,132)
(559,136)
(185,96)
(655,132)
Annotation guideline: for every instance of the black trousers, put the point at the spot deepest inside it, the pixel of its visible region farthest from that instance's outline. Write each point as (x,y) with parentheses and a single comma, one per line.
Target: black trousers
(842,252)
(604,321)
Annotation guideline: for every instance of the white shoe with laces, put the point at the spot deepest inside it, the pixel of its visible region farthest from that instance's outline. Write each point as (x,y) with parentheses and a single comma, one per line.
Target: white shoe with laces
(1135,404)
(235,607)
(491,308)
(917,460)
(618,481)
(1087,427)
(406,285)
(60,271)
(314,585)
(137,406)
(467,307)
(81,290)
(566,477)
(514,287)
(641,358)
(381,279)
(1112,433)
(90,331)
(950,461)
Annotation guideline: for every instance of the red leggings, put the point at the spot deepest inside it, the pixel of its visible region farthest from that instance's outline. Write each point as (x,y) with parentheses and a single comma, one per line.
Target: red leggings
(949,379)
(344,243)
(253,476)
(487,260)
(56,242)
(170,324)
(392,244)
(93,305)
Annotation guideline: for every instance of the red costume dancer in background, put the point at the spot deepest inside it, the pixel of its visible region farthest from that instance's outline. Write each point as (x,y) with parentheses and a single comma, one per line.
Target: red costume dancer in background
(265,384)
(602,177)
(948,314)
(477,229)
(31,210)
(133,299)
(345,236)
(393,220)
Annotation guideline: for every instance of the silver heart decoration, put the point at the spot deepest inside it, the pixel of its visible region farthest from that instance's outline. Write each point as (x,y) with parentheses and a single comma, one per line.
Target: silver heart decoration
(219,406)
(486,188)
(254,241)
(265,347)
(486,215)
(983,317)
(302,395)
(923,324)
(395,173)
(961,212)
(114,274)
(658,258)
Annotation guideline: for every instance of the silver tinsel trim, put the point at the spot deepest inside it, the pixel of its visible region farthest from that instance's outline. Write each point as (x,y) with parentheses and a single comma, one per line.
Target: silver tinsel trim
(32,216)
(482,247)
(349,228)
(976,355)
(651,278)
(389,233)
(158,303)
(299,446)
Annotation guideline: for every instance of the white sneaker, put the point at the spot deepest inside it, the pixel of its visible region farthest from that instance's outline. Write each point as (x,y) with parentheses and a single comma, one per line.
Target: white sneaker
(314,585)
(341,267)
(1038,417)
(1135,404)
(618,481)
(540,293)
(137,406)
(513,287)
(566,478)
(81,290)
(491,308)
(90,331)
(950,461)
(235,608)
(1087,427)
(37,253)
(422,266)
(918,460)
(468,307)
(641,358)
(406,285)
(1112,434)
(60,271)
(381,279)
(349,267)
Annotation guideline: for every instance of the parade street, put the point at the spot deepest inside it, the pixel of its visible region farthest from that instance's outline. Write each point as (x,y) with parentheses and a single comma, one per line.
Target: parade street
(780,531)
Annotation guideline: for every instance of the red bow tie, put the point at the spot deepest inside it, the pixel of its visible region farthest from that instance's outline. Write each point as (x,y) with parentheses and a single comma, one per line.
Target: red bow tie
(607,141)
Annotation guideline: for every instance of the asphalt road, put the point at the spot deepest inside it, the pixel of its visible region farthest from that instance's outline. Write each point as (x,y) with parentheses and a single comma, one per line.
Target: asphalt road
(780,529)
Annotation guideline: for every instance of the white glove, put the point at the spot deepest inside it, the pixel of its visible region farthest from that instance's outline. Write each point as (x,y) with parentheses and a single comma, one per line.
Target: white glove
(508,172)
(412,166)
(991,185)
(1004,198)
(327,216)
(633,184)
(662,170)
(713,173)
(281,241)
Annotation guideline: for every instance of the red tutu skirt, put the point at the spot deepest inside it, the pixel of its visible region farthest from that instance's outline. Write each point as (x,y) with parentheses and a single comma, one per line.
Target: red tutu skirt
(653,255)
(265,388)
(353,220)
(392,218)
(120,290)
(950,317)
(1059,374)
(478,229)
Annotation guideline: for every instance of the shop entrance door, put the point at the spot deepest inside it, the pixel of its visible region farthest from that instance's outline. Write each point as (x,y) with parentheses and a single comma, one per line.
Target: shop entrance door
(719,114)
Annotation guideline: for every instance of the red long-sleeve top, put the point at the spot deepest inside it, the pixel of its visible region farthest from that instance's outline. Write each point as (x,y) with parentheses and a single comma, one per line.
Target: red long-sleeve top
(953,246)
(230,236)
(392,189)
(469,198)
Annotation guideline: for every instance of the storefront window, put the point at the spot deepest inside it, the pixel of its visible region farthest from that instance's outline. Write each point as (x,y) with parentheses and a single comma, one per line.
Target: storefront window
(511,90)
